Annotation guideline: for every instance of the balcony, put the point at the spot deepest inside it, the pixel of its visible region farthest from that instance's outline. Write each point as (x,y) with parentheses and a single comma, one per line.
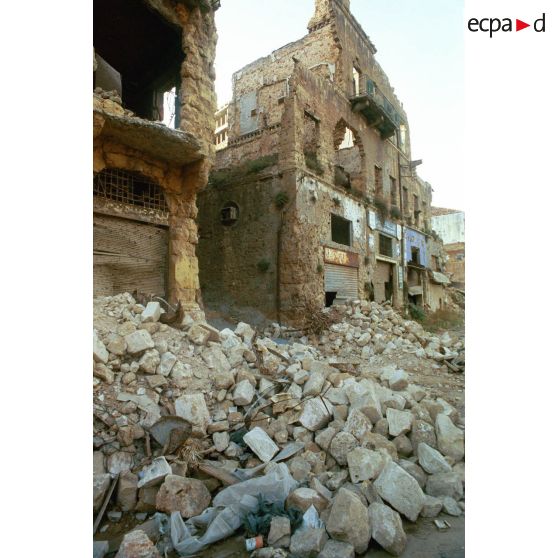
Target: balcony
(375,107)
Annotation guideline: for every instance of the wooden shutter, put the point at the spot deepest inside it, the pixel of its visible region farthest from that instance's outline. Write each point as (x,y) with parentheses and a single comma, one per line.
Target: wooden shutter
(129,255)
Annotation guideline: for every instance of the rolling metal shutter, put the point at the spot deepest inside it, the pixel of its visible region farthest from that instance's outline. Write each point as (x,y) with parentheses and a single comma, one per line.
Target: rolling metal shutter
(129,255)
(342,280)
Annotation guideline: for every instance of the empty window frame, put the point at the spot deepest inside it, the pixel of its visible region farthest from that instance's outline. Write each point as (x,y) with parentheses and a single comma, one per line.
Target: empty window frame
(130,188)
(393,190)
(356,81)
(378,182)
(386,246)
(229,214)
(405,200)
(341,230)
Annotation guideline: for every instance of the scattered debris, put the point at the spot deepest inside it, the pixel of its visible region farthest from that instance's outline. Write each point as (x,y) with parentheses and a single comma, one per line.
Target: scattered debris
(299,442)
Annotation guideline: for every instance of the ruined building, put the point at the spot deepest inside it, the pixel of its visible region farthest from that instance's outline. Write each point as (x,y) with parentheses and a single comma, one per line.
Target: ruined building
(315,197)
(153,144)
(449,224)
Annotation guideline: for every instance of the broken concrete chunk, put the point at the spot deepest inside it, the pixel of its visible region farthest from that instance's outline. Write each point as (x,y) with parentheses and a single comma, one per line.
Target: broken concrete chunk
(348,521)
(307,543)
(245,331)
(118,462)
(337,549)
(399,380)
(101,484)
(136,544)
(279,532)
(127,491)
(451,440)
(100,353)
(445,484)
(303,498)
(152,312)
(400,422)
(314,385)
(316,414)
(138,341)
(358,424)
(341,444)
(168,360)
(387,528)
(432,507)
(155,473)
(261,444)
(188,496)
(400,490)
(193,408)
(198,335)
(365,464)
(431,460)
(451,507)
(244,393)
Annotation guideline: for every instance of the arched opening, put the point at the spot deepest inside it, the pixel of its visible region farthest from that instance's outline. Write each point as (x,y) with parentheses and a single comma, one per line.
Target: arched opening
(349,157)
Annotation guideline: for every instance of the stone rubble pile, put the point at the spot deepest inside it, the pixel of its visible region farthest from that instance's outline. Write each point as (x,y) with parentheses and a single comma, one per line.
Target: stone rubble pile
(369,329)
(180,414)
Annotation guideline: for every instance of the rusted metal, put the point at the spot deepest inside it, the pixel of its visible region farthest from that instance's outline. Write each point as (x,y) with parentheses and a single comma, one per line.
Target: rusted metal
(340,257)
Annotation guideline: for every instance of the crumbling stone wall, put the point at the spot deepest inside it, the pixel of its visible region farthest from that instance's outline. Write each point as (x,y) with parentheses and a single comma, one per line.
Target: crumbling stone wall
(179,179)
(295,103)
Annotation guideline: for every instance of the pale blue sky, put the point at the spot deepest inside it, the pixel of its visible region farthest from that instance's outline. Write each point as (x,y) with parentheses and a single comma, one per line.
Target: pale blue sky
(420,47)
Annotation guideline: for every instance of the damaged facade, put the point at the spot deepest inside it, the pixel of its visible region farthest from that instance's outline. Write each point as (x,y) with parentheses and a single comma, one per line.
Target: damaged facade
(449,224)
(153,116)
(315,197)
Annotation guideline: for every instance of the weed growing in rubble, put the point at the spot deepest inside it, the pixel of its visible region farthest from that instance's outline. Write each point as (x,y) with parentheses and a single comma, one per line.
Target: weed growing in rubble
(443,319)
(417,313)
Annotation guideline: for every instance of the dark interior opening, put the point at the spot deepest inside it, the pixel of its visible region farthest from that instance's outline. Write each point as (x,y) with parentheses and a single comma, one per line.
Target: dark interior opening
(144,49)
(415,257)
(329,298)
(340,230)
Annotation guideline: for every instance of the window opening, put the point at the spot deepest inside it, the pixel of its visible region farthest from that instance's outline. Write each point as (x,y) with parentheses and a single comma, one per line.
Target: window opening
(378,183)
(340,230)
(129,188)
(229,214)
(386,246)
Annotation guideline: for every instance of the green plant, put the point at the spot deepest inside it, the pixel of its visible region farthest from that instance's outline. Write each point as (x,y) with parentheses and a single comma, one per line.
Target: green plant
(232,174)
(311,159)
(395,212)
(381,207)
(263,265)
(257,165)
(320,268)
(281,200)
(416,312)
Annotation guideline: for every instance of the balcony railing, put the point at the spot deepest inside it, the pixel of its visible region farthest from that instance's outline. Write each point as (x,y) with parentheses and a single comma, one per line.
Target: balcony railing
(375,107)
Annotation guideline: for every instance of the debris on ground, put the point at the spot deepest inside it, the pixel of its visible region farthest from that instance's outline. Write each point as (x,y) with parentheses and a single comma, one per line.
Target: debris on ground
(322,441)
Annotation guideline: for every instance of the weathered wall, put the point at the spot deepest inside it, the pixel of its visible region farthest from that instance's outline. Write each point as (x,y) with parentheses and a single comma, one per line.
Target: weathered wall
(295,103)
(179,182)
(230,254)
(450,227)
(455,265)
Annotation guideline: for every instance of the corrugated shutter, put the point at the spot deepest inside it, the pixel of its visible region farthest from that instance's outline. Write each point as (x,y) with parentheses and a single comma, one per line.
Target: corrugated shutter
(342,280)
(128,255)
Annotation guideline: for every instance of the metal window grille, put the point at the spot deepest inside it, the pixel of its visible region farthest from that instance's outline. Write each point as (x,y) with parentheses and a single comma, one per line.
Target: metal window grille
(129,188)
(386,248)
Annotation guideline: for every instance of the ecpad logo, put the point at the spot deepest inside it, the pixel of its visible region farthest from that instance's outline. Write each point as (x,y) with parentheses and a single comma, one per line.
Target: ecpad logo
(493,25)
